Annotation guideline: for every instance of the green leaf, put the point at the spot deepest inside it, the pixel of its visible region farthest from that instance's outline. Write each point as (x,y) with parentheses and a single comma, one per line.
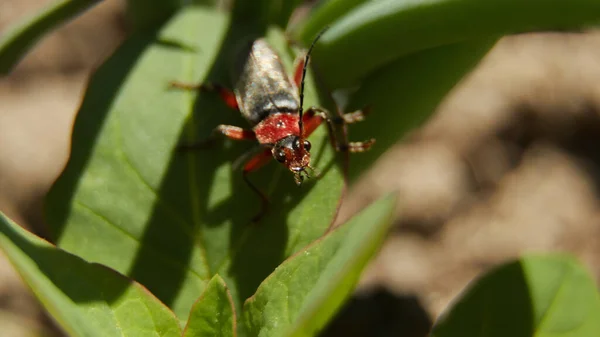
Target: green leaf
(260,13)
(379,32)
(213,314)
(86,299)
(15,42)
(539,296)
(172,220)
(403,94)
(324,14)
(148,14)
(306,290)
(281,11)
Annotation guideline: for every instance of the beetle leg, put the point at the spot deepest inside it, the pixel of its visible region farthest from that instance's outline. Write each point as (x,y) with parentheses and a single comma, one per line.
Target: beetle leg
(347,118)
(185,86)
(356,147)
(253,164)
(311,121)
(235,132)
(353,117)
(229,131)
(226,95)
(315,116)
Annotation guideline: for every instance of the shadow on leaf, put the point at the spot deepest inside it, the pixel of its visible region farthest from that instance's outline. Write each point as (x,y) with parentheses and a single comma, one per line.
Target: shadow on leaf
(171,220)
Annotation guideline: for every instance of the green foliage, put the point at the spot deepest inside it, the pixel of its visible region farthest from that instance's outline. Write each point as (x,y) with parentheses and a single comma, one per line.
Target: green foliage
(303,293)
(179,223)
(535,296)
(379,32)
(419,82)
(163,217)
(146,14)
(214,312)
(87,299)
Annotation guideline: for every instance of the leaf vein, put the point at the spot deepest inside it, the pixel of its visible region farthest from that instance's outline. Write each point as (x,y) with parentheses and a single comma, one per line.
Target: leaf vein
(132,237)
(194,197)
(159,200)
(560,289)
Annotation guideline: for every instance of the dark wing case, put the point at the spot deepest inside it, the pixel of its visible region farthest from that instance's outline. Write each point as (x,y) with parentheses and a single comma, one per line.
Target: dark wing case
(261,84)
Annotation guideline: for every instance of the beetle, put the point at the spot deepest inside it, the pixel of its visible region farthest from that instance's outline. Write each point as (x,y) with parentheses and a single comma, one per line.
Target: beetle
(272,103)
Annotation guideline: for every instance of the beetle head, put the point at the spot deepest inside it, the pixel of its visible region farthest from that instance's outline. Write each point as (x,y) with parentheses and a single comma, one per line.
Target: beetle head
(293,152)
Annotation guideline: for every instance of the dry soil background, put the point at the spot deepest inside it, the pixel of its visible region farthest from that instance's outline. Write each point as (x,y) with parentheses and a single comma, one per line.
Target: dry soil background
(507,165)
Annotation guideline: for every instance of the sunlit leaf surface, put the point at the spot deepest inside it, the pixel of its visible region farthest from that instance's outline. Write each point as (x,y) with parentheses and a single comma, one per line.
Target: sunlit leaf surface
(86,299)
(535,296)
(172,220)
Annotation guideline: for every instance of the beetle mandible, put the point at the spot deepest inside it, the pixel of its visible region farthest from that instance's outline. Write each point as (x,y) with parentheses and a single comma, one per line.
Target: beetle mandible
(272,103)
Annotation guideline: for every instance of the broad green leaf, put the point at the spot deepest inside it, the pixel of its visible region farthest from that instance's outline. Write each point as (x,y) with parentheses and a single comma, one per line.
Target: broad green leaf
(306,290)
(214,313)
(324,14)
(172,220)
(263,12)
(542,296)
(281,11)
(17,40)
(379,32)
(146,14)
(85,298)
(403,94)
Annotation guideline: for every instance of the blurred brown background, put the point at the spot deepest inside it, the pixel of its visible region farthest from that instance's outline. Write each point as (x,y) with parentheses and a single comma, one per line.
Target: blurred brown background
(507,165)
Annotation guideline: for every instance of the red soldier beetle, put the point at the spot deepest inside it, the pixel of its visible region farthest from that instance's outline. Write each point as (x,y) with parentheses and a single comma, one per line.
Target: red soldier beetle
(273,105)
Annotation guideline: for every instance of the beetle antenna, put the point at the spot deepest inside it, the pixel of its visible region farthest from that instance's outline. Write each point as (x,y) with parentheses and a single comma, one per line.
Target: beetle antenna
(304,67)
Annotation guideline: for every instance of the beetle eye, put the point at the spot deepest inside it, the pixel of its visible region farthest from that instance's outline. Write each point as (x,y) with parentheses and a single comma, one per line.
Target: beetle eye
(306,145)
(280,156)
(296,144)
